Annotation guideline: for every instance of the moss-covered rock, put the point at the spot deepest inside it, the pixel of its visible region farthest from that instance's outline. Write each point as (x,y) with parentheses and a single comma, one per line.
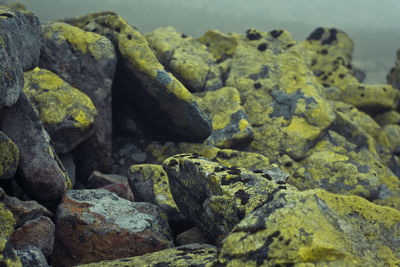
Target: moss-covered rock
(9,157)
(216,197)
(389,117)
(186,58)
(393,77)
(68,114)
(331,54)
(314,228)
(228,157)
(230,124)
(220,45)
(8,257)
(149,183)
(281,96)
(161,98)
(188,255)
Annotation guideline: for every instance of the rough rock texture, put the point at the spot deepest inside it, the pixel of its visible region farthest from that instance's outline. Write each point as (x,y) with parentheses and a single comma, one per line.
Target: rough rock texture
(19,51)
(149,183)
(32,256)
(91,224)
(98,179)
(193,235)
(160,97)
(186,58)
(23,211)
(157,153)
(220,45)
(38,232)
(7,223)
(43,177)
(122,190)
(9,157)
(230,124)
(87,61)
(389,117)
(188,255)
(67,114)
(281,96)
(314,227)
(216,197)
(330,60)
(393,77)
(8,257)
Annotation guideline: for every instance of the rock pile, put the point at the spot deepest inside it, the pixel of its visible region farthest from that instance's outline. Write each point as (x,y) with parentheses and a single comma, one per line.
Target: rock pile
(126,149)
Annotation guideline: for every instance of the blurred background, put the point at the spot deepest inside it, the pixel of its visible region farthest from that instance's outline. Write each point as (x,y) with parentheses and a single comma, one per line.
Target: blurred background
(374,25)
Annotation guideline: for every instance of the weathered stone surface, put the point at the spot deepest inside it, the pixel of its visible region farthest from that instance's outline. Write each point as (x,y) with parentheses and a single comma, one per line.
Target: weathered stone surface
(87,61)
(281,96)
(32,256)
(94,225)
(7,222)
(330,60)
(8,257)
(230,124)
(186,58)
(188,255)
(42,176)
(23,211)
(19,51)
(339,166)
(389,117)
(9,157)
(216,197)
(127,153)
(393,77)
(149,183)
(157,153)
(193,235)
(160,97)
(220,45)
(38,232)
(314,227)
(67,160)
(98,179)
(122,190)
(67,114)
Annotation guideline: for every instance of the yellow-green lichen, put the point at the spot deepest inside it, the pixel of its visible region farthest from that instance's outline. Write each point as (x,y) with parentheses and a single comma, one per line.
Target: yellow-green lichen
(7,222)
(8,257)
(220,45)
(57,100)
(9,156)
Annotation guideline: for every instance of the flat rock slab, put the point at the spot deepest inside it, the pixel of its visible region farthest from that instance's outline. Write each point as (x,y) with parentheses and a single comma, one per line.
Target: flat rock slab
(314,226)
(166,103)
(216,197)
(94,225)
(43,177)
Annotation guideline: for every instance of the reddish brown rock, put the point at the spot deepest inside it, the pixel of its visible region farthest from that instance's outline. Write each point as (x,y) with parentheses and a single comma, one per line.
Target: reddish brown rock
(95,225)
(122,190)
(38,232)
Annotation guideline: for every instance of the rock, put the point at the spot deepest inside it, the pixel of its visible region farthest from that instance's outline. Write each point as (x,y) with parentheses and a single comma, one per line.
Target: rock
(94,225)
(38,232)
(339,166)
(216,197)
(8,257)
(157,153)
(282,98)
(43,177)
(98,179)
(331,53)
(68,162)
(193,235)
(127,154)
(149,183)
(389,117)
(20,51)
(24,211)
(9,157)
(230,124)
(87,61)
(187,59)
(220,45)
(122,190)
(393,77)
(144,84)
(187,255)
(7,224)
(67,114)
(32,256)
(315,227)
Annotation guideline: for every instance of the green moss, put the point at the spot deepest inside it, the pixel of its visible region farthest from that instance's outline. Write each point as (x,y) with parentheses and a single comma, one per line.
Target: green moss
(57,100)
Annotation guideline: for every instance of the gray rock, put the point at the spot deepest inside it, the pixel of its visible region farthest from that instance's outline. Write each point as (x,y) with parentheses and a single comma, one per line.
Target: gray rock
(87,61)
(98,179)
(43,176)
(32,256)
